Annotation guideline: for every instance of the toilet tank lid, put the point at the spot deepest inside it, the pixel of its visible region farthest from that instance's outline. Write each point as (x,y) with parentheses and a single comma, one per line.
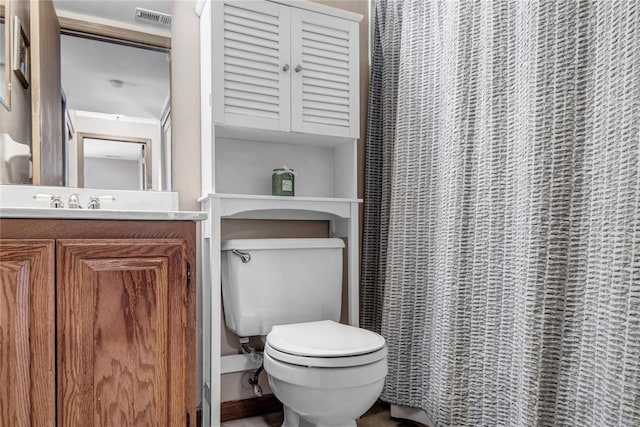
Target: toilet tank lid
(324,338)
(267,244)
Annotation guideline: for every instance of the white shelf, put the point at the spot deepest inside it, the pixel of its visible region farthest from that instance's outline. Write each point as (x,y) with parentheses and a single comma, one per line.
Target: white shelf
(250,206)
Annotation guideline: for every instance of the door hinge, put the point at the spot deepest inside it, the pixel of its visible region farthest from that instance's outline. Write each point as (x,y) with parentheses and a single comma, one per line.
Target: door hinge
(188,274)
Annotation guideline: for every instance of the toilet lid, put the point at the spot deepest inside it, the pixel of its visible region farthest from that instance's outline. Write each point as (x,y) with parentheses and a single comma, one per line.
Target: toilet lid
(324,338)
(326,362)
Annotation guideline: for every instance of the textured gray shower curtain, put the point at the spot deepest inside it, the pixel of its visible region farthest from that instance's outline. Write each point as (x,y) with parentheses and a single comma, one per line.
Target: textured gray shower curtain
(501,254)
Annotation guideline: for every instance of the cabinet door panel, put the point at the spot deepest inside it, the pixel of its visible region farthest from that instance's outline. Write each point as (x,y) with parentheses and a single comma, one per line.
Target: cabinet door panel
(27,333)
(121,332)
(324,90)
(250,41)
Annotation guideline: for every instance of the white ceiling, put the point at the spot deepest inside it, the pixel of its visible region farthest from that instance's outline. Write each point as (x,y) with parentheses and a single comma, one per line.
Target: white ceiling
(88,65)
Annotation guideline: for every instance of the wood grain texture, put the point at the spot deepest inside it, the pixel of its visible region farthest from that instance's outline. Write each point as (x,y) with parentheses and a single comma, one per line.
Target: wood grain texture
(27,395)
(91,229)
(46,98)
(122,323)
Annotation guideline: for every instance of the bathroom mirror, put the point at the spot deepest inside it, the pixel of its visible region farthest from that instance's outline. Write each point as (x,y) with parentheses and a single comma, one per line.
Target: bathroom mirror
(5,55)
(115,67)
(121,92)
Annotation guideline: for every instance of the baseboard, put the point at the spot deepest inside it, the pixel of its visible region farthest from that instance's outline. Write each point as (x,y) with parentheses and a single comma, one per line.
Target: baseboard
(412,414)
(245,408)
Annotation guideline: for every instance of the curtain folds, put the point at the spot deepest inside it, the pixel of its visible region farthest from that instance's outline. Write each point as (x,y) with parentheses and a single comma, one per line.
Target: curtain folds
(501,247)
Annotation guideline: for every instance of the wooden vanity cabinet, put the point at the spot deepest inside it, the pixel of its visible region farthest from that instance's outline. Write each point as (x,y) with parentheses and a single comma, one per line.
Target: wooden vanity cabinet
(27,354)
(124,329)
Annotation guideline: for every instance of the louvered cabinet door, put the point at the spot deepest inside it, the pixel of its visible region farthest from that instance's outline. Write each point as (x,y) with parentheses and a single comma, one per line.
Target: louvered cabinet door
(121,332)
(251,68)
(27,349)
(324,82)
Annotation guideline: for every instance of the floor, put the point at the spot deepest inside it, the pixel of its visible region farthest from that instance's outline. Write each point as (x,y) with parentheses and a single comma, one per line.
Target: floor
(377,416)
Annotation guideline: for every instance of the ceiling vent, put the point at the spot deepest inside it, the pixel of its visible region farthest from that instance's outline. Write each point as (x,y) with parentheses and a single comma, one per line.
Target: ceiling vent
(153,16)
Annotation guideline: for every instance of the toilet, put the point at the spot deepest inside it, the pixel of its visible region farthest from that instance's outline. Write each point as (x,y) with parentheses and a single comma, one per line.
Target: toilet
(324,373)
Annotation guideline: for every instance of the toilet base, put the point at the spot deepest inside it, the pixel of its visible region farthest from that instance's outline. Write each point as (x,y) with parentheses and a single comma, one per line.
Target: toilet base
(292,419)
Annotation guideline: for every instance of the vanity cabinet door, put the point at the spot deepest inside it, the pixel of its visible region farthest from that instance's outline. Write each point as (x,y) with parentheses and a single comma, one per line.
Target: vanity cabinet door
(27,376)
(325,81)
(251,70)
(121,332)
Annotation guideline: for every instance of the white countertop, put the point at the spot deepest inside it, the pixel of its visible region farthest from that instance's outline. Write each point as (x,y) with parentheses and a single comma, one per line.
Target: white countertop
(17,201)
(101,214)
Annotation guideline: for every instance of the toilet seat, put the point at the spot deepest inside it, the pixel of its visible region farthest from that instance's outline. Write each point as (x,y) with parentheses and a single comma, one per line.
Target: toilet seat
(324,344)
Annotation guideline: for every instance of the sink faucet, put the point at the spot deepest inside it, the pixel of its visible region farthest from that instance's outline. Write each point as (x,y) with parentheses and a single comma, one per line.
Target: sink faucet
(74,202)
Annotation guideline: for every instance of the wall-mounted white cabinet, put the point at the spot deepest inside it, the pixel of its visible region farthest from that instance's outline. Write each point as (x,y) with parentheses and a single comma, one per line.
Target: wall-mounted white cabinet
(284,68)
(280,86)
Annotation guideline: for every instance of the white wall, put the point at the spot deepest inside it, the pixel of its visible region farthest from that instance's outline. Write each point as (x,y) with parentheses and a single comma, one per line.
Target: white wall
(111,173)
(107,124)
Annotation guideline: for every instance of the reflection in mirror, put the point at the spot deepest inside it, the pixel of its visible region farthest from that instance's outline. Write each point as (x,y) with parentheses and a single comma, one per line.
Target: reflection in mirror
(5,57)
(115,78)
(113,163)
(117,90)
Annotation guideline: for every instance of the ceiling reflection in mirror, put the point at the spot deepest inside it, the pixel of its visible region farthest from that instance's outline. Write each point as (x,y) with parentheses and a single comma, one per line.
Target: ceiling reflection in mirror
(114,88)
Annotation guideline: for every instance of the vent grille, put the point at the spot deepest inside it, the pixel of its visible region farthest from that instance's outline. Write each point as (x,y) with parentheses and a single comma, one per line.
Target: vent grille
(152,16)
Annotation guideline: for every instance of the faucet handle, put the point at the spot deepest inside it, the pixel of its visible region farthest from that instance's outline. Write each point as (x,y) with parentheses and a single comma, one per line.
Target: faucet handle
(95,201)
(56,200)
(74,202)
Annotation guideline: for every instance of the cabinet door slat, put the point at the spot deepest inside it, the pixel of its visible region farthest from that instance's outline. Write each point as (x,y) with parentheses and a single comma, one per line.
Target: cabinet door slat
(254,112)
(327,121)
(250,88)
(252,23)
(244,10)
(253,105)
(241,52)
(326,113)
(327,68)
(250,40)
(324,31)
(244,29)
(249,80)
(252,96)
(319,75)
(323,97)
(325,39)
(252,71)
(333,55)
(306,43)
(325,106)
(325,89)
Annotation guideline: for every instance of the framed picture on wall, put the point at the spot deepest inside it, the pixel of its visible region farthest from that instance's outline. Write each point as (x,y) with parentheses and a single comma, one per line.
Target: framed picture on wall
(21,53)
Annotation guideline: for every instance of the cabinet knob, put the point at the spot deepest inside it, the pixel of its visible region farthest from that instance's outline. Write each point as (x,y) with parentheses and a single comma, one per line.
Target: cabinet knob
(298,68)
(286,67)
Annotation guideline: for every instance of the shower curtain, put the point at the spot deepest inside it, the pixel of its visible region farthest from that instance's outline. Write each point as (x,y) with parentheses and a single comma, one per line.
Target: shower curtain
(501,252)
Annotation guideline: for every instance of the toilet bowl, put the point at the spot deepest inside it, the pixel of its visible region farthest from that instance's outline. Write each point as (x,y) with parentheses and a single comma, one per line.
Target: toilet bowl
(324,373)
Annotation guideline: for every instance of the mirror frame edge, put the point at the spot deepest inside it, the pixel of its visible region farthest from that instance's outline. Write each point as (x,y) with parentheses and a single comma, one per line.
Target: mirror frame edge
(5,10)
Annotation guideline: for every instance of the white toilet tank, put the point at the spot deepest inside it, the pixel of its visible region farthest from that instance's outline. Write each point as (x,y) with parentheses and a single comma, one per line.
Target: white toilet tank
(283,281)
